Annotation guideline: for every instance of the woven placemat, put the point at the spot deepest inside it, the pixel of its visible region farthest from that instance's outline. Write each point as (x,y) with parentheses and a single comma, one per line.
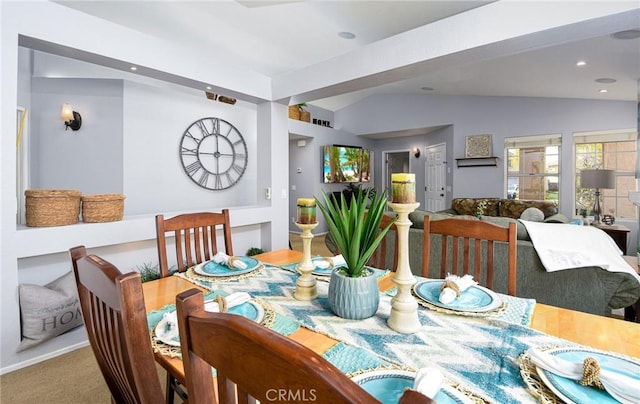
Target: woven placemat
(192,274)
(534,383)
(496,312)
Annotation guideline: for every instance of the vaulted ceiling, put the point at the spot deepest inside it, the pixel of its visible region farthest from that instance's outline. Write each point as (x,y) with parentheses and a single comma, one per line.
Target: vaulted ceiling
(286,39)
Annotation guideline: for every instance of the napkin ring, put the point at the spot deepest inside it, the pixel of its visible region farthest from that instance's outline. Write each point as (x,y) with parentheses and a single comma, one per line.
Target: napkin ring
(451,285)
(591,373)
(222,304)
(231,263)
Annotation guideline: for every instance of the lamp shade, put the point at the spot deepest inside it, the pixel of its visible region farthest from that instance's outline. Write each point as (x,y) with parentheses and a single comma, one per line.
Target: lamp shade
(67,112)
(598,179)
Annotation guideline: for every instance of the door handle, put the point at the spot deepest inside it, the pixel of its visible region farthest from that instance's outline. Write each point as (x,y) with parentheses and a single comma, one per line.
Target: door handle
(441,194)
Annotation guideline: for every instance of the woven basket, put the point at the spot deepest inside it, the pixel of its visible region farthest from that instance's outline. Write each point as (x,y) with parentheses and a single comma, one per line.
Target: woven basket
(102,208)
(294,112)
(305,116)
(52,207)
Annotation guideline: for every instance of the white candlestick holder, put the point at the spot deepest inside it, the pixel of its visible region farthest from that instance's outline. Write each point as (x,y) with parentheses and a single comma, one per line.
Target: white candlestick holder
(306,288)
(404,307)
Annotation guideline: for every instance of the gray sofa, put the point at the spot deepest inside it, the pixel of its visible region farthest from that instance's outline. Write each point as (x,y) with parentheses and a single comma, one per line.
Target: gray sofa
(590,289)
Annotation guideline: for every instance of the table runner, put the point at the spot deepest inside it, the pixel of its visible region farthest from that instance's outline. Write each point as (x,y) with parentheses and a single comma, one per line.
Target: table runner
(481,354)
(274,281)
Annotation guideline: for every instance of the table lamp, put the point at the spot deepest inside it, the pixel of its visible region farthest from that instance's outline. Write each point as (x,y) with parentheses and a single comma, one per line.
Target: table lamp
(597,179)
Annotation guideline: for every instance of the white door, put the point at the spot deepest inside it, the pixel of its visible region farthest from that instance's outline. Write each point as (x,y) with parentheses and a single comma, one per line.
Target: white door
(435,174)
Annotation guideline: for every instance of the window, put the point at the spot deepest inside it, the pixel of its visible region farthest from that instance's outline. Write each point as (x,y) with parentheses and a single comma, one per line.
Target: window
(533,167)
(616,150)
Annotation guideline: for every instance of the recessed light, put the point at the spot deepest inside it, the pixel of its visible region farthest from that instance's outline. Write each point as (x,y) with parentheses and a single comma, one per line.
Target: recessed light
(208,87)
(426,88)
(581,63)
(602,90)
(628,34)
(133,68)
(605,80)
(346,35)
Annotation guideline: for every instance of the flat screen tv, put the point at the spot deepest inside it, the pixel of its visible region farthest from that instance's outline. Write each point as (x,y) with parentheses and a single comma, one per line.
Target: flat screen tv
(346,164)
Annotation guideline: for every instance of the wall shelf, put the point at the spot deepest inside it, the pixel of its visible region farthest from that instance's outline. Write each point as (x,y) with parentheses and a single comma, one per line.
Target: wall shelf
(477,162)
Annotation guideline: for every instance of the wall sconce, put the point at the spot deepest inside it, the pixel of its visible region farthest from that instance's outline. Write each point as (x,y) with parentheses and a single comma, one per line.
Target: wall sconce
(71,118)
(416,152)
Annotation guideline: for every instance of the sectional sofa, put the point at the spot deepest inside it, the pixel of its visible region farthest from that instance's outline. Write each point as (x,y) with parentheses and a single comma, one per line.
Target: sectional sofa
(590,289)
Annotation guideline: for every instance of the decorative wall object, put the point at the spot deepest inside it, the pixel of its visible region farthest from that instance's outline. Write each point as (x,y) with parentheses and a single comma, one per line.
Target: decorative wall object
(478,146)
(213,153)
(227,100)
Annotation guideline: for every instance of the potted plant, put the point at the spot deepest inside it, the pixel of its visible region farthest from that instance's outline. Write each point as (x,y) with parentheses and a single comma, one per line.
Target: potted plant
(355,228)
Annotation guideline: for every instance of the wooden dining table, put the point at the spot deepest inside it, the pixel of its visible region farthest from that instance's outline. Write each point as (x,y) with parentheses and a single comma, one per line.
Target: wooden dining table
(605,333)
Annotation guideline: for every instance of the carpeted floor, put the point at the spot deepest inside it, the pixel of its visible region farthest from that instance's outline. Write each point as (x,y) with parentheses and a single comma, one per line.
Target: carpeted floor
(74,378)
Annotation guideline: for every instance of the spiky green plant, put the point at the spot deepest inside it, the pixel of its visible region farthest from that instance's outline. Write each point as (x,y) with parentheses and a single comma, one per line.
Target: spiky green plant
(355,227)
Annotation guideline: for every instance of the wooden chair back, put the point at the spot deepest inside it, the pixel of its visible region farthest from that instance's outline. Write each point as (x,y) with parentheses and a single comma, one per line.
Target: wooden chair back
(379,257)
(195,238)
(116,322)
(473,235)
(253,362)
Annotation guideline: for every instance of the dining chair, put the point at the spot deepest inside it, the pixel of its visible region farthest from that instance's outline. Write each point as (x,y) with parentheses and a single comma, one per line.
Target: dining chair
(116,321)
(195,242)
(253,362)
(195,238)
(379,257)
(478,239)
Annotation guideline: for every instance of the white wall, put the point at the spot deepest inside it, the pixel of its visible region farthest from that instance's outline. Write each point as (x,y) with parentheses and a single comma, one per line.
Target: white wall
(499,116)
(155,119)
(88,160)
(38,255)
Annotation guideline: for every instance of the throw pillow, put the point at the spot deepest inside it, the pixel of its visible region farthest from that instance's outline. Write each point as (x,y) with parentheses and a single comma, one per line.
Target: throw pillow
(514,207)
(48,311)
(469,206)
(532,215)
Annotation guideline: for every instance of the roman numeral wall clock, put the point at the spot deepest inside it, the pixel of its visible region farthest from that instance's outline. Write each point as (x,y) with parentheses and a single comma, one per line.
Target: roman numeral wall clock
(213,153)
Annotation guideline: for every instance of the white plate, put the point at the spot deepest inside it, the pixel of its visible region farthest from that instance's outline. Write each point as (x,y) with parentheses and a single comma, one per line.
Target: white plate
(388,386)
(571,391)
(476,299)
(210,268)
(251,310)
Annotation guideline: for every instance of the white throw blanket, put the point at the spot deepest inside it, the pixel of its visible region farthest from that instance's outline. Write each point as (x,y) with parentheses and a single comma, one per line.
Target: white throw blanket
(566,246)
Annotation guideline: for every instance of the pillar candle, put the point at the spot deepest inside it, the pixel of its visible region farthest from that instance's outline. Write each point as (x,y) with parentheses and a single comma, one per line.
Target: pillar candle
(306,210)
(403,188)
